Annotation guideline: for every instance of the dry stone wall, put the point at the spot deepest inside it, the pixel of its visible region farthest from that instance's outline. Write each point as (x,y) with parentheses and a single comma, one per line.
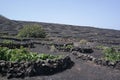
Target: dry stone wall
(34,68)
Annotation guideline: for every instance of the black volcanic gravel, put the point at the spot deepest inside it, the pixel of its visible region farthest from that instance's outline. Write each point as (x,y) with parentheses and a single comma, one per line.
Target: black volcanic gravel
(82,70)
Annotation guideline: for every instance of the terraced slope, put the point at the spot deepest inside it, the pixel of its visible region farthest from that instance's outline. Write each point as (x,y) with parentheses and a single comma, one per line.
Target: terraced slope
(82,70)
(65,31)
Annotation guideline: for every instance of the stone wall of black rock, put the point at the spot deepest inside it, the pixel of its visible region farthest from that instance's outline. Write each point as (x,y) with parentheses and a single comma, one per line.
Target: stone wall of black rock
(58,46)
(17,45)
(112,42)
(15,39)
(26,39)
(83,49)
(52,43)
(62,47)
(35,68)
(102,62)
(29,41)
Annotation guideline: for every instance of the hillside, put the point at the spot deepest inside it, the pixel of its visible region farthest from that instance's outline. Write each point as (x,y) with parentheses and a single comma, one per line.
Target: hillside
(88,59)
(63,31)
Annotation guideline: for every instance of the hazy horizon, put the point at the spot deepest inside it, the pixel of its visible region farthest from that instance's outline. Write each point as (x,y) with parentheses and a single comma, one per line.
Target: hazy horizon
(101,14)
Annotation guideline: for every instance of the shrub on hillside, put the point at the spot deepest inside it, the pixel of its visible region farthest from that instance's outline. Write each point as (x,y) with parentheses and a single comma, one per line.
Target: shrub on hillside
(23,54)
(7,42)
(34,30)
(111,54)
(83,41)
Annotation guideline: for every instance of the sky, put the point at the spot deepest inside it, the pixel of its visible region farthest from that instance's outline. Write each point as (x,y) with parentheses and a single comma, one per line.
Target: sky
(95,13)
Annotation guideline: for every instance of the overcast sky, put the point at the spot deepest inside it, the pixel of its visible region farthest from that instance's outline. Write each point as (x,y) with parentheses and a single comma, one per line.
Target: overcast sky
(95,13)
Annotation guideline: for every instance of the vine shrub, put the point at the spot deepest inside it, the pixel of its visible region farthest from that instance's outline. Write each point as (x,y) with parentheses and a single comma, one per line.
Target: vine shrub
(23,54)
(111,54)
(7,42)
(33,30)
